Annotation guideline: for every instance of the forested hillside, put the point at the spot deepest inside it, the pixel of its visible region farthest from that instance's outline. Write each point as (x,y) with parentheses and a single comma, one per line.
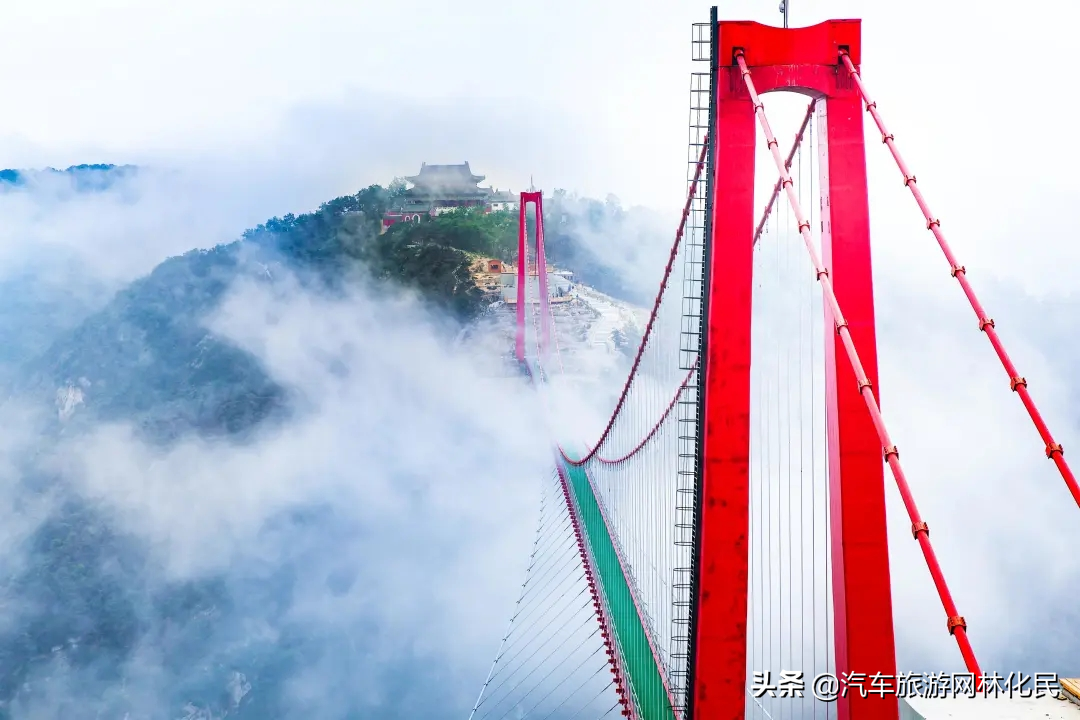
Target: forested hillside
(147,357)
(88,594)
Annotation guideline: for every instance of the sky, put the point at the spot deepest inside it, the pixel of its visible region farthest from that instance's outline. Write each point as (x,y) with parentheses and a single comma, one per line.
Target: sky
(588,96)
(126,80)
(272,107)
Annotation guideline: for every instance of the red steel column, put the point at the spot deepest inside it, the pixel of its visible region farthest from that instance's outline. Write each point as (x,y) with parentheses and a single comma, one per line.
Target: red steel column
(519,338)
(541,273)
(805,60)
(862,594)
(719,683)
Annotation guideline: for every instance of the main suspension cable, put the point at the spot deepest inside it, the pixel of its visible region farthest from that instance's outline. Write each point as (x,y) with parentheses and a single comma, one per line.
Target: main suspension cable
(956,624)
(656,426)
(686,212)
(986,324)
(652,315)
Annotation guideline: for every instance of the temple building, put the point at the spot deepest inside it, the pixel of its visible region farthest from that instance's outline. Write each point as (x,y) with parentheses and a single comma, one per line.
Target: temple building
(441,188)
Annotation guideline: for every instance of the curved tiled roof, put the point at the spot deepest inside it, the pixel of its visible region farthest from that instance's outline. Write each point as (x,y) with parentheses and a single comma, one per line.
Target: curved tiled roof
(446,176)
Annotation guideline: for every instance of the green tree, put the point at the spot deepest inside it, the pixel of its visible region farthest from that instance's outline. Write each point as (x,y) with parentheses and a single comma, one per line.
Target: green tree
(468,229)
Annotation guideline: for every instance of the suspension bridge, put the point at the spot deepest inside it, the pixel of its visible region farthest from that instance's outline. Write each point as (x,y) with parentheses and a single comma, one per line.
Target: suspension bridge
(727,527)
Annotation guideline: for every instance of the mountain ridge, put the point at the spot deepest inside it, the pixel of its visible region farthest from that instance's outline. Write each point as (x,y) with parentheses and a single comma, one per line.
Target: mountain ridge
(89,595)
(87,177)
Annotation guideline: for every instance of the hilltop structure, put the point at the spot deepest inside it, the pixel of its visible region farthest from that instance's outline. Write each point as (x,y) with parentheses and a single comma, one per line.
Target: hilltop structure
(560,284)
(441,188)
(500,280)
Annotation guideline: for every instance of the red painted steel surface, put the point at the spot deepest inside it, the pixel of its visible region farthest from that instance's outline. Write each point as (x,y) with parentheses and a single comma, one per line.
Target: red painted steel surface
(523,258)
(807,61)
(537,198)
(719,680)
(765,45)
(862,594)
(832,427)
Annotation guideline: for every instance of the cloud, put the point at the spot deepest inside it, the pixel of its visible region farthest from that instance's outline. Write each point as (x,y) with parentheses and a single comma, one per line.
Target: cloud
(208,191)
(1001,519)
(624,248)
(202,510)
(113,235)
(377,528)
